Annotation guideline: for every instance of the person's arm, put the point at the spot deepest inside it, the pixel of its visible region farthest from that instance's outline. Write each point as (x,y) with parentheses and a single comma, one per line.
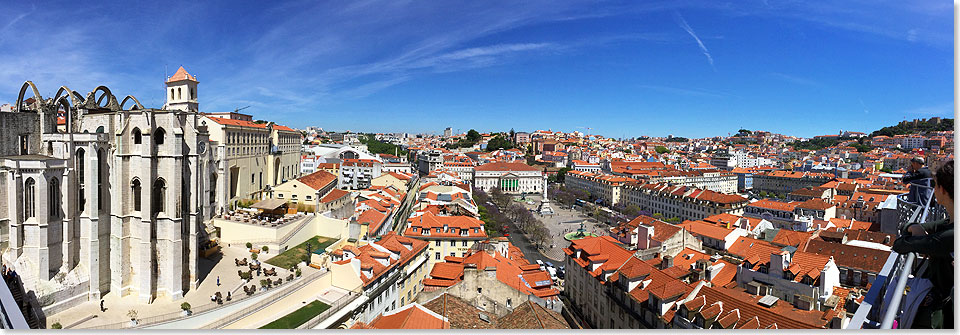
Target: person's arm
(909,177)
(933,244)
(931,227)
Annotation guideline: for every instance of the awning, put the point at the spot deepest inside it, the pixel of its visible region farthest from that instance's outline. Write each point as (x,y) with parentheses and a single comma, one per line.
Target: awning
(269,204)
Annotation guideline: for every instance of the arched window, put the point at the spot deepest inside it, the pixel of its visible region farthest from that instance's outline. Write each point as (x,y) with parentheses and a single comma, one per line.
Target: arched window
(100,130)
(171,93)
(213,188)
(54,198)
(101,176)
(135,188)
(193,93)
(137,136)
(159,190)
(179,93)
(158,136)
(29,198)
(80,170)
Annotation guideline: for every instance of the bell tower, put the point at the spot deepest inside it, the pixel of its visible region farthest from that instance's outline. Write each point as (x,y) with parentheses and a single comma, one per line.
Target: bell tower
(182,91)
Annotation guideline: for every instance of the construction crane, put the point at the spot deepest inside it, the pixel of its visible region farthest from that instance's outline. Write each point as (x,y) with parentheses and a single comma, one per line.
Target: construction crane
(588,130)
(240,109)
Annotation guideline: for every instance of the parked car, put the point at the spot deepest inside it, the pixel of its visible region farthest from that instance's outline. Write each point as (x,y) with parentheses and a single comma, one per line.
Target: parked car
(549,264)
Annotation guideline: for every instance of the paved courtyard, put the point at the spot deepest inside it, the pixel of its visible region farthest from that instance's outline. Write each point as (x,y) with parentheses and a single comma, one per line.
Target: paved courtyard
(116,307)
(562,222)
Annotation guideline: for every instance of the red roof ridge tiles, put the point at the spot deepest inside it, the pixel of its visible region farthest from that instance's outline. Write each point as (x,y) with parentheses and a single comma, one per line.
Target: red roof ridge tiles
(181,74)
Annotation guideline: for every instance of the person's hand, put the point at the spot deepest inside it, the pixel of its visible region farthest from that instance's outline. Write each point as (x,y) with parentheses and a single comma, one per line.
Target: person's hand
(916,230)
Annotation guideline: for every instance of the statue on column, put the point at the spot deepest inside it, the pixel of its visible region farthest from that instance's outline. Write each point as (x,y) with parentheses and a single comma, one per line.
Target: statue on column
(545,202)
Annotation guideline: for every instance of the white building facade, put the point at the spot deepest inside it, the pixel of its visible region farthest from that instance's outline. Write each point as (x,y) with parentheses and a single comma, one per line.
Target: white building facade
(113,202)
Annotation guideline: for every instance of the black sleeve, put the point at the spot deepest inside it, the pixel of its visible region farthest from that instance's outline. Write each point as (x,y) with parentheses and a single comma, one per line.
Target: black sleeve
(934,226)
(912,176)
(935,244)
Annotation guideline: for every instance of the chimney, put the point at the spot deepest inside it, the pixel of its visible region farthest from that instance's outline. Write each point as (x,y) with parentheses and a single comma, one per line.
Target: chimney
(713,270)
(666,263)
(778,263)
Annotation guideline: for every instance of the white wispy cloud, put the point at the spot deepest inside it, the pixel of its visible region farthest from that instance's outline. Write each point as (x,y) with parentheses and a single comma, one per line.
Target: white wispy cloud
(865,110)
(686,27)
(685,91)
(793,79)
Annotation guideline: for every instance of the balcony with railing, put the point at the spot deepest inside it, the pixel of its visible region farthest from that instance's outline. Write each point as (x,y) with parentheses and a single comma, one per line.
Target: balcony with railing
(883,306)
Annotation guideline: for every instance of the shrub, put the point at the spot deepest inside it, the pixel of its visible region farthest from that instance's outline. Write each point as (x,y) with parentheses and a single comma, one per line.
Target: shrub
(265,249)
(249,245)
(298,272)
(253,255)
(185,306)
(56,325)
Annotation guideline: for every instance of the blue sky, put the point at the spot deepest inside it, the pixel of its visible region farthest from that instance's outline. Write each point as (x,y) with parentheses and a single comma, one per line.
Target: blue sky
(622,68)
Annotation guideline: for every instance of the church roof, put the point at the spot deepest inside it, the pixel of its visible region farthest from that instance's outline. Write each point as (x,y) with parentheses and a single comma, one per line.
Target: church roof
(181,74)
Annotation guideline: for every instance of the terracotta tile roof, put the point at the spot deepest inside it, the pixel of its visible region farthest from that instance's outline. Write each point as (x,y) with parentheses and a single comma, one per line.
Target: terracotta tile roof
(869,236)
(283,128)
(455,225)
(333,195)
(807,264)
(661,230)
(815,204)
(512,271)
(410,316)
(450,271)
(181,74)
(702,228)
(781,316)
(729,220)
(461,314)
(729,319)
(791,238)
(775,205)
(318,180)
(753,250)
(434,282)
(850,256)
(239,123)
(851,224)
(532,316)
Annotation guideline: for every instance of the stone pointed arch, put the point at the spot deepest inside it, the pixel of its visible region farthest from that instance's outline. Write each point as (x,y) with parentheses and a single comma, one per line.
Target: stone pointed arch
(72,95)
(94,103)
(136,103)
(79,96)
(23,90)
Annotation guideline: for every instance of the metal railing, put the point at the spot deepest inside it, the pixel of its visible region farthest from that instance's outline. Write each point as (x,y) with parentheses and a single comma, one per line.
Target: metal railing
(260,305)
(280,241)
(203,309)
(336,307)
(899,267)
